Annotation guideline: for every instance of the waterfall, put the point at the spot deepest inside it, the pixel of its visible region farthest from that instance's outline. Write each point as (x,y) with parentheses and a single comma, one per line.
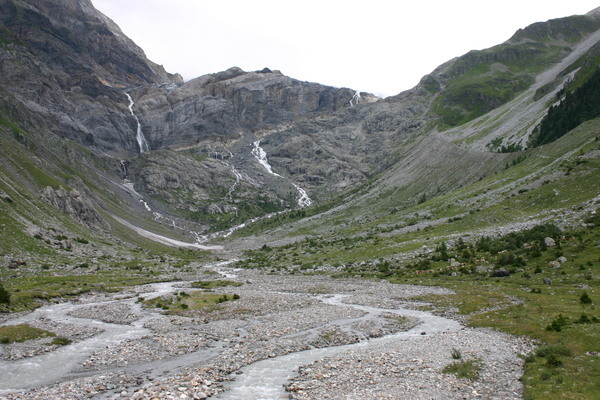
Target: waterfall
(141,139)
(303,200)
(261,156)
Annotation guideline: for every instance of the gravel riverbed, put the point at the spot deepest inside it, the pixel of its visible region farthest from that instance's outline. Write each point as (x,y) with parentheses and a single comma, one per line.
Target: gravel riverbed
(194,355)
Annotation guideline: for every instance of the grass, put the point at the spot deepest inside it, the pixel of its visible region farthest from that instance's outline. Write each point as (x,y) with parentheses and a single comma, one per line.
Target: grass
(61,341)
(30,292)
(465,369)
(521,303)
(22,333)
(184,303)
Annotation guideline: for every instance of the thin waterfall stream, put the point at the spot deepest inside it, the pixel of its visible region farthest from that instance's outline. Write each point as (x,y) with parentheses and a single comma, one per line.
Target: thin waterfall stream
(261,156)
(139,135)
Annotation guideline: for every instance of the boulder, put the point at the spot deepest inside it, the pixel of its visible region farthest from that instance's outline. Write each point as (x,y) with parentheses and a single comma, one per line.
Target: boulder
(554,264)
(550,242)
(6,197)
(501,272)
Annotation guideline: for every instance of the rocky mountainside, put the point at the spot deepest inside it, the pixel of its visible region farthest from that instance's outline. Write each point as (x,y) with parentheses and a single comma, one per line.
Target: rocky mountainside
(71,65)
(114,173)
(103,130)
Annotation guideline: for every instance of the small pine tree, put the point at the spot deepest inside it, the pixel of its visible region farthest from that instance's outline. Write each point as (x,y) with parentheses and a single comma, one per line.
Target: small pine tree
(585,298)
(4,295)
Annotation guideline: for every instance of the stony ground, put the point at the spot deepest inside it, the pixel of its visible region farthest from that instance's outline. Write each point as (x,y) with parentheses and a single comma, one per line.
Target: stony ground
(194,355)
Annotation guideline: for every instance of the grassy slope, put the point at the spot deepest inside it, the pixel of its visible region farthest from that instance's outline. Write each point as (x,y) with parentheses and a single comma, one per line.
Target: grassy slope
(558,183)
(36,267)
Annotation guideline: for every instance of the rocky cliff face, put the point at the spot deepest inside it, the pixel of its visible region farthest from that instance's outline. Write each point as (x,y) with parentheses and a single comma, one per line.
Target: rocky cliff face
(220,106)
(66,71)
(70,64)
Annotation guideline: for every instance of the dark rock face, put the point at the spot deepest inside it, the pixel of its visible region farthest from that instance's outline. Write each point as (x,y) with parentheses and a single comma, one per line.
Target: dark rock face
(220,106)
(70,64)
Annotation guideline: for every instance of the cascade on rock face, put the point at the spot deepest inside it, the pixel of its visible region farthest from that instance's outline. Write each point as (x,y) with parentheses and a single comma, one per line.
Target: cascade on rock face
(141,139)
(261,156)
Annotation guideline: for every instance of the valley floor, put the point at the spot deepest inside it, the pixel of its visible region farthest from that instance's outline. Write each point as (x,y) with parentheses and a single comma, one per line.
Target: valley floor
(205,352)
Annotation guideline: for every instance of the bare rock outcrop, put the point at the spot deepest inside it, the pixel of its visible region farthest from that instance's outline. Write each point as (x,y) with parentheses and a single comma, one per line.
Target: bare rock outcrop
(219,106)
(74,204)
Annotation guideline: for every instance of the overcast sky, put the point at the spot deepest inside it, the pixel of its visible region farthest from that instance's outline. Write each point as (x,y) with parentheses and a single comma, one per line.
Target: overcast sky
(377,46)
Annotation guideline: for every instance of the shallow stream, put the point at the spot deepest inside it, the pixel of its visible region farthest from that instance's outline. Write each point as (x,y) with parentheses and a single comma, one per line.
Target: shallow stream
(265,380)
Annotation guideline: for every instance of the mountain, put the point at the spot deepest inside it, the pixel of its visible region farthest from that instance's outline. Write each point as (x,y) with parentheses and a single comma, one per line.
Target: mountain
(482,179)
(108,139)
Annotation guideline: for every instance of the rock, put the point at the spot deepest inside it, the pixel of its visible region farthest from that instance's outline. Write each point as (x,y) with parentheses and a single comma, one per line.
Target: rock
(14,264)
(549,242)
(554,264)
(6,197)
(87,103)
(213,209)
(547,281)
(483,268)
(221,104)
(74,204)
(562,259)
(501,272)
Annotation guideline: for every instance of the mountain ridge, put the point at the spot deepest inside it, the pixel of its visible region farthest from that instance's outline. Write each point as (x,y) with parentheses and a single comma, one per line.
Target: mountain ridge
(202,174)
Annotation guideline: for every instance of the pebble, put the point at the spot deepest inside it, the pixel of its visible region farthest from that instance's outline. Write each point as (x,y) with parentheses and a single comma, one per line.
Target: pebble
(279,314)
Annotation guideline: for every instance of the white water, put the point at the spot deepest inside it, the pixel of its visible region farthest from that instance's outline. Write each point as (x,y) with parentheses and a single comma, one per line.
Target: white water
(303,200)
(265,380)
(139,136)
(261,156)
(129,188)
(51,367)
(355,98)
(237,174)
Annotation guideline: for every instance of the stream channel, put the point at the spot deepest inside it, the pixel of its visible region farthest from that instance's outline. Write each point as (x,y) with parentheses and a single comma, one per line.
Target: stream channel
(265,380)
(57,365)
(260,380)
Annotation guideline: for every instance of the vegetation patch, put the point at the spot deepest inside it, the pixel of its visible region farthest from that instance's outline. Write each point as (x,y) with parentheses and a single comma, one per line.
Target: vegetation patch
(465,369)
(183,302)
(22,333)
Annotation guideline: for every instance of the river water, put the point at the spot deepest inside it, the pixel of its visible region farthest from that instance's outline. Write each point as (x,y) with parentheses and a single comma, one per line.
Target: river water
(51,367)
(265,380)
(261,380)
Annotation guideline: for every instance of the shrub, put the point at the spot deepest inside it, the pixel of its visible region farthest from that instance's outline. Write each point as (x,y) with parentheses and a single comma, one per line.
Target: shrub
(583,319)
(4,295)
(585,298)
(558,323)
(463,369)
(555,349)
(223,299)
(553,361)
(456,354)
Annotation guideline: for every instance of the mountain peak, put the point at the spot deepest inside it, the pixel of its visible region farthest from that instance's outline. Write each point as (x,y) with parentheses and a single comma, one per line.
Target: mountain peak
(594,13)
